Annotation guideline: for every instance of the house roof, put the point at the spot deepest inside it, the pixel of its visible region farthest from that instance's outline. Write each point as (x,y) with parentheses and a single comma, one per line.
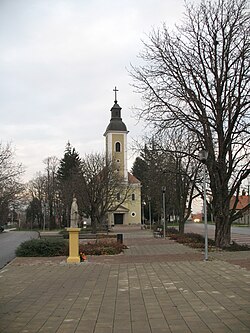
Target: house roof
(243,202)
(197,216)
(132,179)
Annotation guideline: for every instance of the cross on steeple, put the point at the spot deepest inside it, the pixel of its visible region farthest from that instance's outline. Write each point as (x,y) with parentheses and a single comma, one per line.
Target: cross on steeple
(115,90)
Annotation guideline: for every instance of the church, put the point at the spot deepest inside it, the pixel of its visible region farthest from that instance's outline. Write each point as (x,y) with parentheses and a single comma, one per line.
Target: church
(129,212)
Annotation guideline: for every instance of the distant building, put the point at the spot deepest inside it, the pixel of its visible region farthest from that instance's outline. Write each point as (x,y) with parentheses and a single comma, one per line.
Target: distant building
(116,147)
(242,207)
(196,217)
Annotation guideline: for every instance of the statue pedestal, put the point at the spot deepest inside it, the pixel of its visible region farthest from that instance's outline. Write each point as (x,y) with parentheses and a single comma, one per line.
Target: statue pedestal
(73,245)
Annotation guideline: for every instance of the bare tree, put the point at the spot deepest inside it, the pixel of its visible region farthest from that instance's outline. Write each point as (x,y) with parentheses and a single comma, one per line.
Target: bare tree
(10,184)
(185,170)
(51,163)
(168,161)
(44,191)
(36,211)
(198,79)
(103,189)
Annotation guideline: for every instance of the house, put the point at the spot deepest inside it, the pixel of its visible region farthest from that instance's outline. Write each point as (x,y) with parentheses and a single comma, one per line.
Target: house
(129,212)
(197,217)
(242,208)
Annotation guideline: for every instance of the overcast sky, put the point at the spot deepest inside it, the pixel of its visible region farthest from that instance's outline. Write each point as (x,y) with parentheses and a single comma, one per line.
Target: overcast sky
(59,63)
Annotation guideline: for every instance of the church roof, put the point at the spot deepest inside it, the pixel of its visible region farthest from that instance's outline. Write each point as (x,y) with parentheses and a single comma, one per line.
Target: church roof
(116,123)
(132,179)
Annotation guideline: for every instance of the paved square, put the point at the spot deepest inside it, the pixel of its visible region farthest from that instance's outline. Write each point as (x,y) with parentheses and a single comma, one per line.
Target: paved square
(154,296)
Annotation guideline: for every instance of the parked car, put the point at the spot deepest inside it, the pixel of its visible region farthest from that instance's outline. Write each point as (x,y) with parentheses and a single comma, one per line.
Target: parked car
(1,228)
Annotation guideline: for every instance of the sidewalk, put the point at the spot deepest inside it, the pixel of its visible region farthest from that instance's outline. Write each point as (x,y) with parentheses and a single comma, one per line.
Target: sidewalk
(156,286)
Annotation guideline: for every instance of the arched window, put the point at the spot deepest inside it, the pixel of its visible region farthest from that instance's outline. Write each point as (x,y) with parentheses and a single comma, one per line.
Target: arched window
(117,147)
(133,196)
(118,196)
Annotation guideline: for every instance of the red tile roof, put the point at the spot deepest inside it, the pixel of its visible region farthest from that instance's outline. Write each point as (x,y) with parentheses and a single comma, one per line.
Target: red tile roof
(243,202)
(197,216)
(132,179)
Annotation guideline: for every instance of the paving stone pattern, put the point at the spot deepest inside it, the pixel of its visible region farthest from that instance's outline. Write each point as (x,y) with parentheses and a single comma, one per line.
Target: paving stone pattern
(177,296)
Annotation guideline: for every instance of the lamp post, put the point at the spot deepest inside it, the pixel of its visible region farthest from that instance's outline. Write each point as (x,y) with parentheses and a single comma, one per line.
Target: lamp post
(203,154)
(248,199)
(44,216)
(149,212)
(164,210)
(143,214)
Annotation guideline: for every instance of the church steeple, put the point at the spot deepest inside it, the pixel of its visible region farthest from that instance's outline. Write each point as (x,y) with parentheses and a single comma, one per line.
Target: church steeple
(129,212)
(116,139)
(116,123)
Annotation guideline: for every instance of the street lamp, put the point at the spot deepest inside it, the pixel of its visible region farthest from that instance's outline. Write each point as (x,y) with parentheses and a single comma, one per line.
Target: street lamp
(203,154)
(143,214)
(164,210)
(44,216)
(248,199)
(149,212)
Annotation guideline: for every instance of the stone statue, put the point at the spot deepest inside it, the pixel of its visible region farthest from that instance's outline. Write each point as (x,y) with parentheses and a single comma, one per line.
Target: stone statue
(74,214)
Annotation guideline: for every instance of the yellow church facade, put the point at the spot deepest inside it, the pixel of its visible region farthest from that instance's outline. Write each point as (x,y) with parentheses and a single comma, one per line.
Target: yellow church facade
(129,212)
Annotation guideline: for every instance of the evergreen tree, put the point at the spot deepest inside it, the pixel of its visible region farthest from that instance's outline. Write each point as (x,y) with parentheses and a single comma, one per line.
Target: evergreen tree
(139,169)
(69,164)
(68,176)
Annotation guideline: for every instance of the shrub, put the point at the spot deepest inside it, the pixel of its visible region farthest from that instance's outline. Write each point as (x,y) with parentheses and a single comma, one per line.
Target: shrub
(191,239)
(172,231)
(196,238)
(42,248)
(102,248)
(237,247)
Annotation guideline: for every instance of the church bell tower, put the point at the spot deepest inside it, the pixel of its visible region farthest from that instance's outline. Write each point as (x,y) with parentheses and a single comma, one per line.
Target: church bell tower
(129,211)
(116,139)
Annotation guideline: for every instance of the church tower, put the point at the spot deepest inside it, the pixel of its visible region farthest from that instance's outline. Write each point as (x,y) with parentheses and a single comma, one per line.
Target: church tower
(129,212)
(116,140)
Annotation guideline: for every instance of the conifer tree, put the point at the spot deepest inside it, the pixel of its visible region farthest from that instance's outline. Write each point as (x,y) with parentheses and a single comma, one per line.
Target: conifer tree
(68,176)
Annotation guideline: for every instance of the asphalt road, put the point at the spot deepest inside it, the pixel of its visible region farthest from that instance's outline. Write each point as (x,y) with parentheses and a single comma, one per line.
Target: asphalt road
(9,241)
(241,235)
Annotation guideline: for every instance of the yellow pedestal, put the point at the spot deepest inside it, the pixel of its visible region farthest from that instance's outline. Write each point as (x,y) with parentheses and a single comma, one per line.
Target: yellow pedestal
(73,245)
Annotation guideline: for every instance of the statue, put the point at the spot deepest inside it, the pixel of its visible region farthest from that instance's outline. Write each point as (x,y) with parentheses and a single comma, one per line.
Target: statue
(74,214)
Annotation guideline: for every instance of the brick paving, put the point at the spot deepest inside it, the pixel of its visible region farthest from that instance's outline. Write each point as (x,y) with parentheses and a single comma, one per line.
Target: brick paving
(156,286)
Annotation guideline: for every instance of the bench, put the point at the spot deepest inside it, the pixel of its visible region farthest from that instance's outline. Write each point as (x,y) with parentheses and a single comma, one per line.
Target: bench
(158,233)
(87,236)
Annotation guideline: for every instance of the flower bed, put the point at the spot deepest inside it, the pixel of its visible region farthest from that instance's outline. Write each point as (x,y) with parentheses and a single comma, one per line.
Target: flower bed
(197,241)
(103,247)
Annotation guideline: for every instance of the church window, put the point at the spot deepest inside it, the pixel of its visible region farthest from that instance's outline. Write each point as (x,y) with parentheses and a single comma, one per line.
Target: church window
(133,196)
(118,196)
(117,147)
(133,214)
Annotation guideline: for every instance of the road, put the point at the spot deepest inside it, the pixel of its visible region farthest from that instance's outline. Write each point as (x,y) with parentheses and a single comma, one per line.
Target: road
(9,241)
(240,235)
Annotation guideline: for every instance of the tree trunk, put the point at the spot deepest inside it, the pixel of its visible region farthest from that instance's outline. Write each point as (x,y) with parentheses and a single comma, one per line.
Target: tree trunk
(220,193)
(181,226)
(222,232)
(93,224)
